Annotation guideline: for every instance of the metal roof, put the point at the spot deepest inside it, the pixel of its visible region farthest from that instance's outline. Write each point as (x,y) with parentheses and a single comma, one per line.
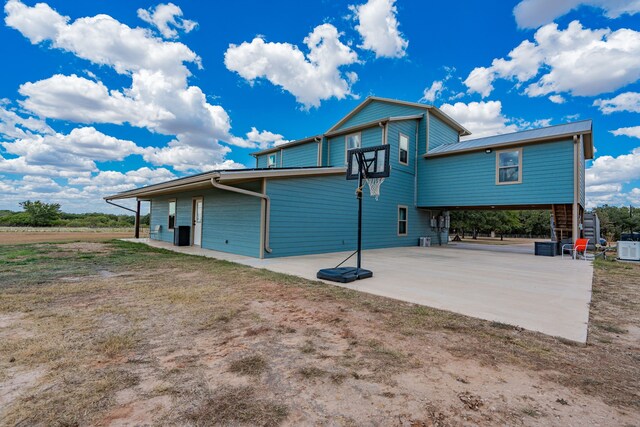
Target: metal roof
(531,135)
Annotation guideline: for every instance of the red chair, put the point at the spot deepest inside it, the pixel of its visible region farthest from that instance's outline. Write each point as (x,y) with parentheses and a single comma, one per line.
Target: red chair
(579,247)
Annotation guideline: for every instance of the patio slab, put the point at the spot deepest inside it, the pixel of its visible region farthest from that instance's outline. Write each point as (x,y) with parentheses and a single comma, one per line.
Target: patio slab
(544,294)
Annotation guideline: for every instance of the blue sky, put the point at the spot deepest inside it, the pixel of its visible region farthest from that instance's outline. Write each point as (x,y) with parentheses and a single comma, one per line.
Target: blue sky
(100,97)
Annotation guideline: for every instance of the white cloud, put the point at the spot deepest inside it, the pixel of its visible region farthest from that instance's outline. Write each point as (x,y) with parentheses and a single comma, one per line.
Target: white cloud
(159,98)
(481,118)
(311,78)
(73,152)
(378,27)
(265,139)
(78,194)
(166,18)
(628,101)
(101,40)
(13,125)
(187,158)
(534,13)
(576,60)
(557,99)
(37,23)
(633,131)
(614,170)
(430,94)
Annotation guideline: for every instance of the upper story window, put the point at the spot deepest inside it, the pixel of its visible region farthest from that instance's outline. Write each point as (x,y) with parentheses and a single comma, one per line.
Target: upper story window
(403,147)
(271,161)
(172,214)
(509,166)
(351,141)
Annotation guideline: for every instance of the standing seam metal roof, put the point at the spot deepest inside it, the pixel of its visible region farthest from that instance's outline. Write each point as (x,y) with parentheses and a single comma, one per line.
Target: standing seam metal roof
(510,138)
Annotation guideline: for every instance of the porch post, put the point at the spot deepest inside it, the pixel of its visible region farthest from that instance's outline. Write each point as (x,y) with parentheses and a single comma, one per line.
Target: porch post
(137,232)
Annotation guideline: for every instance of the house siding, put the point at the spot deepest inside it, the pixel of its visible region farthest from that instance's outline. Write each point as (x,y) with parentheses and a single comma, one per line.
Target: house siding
(262,160)
(440,133)
(300,155)
(231,221)
(470,179)
(581,175)
(328,223)
(380,110)
(337,154)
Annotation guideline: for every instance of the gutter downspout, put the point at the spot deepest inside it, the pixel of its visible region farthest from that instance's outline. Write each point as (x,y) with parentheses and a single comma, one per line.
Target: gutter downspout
(264,197)
(415,167)
(574,226)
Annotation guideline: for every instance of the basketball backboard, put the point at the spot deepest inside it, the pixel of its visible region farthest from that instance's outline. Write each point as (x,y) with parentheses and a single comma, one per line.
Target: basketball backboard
(374,160)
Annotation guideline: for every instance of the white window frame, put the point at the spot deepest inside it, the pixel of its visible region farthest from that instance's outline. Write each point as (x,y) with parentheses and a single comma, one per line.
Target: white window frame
(346,143)
(271,164)
(405,221)
(175,216)
(498,167)
(400,136)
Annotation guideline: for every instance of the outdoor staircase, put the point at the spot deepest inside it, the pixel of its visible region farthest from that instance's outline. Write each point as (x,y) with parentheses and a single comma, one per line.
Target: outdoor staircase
(591,229)
(562,223)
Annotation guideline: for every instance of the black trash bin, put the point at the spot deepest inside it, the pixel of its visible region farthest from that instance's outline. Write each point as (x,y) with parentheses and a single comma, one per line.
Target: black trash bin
(545,248)
(182,235)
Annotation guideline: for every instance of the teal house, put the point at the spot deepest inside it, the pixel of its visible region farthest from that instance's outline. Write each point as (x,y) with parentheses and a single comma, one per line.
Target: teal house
(297,201)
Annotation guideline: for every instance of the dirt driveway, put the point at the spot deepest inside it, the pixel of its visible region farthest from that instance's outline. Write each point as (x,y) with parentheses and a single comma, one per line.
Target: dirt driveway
(125,334)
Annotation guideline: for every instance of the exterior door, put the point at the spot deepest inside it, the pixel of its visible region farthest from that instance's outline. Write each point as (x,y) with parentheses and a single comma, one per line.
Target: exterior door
(197,222)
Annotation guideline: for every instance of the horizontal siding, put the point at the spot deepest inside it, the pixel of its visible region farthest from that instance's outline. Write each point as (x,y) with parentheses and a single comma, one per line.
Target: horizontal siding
(380,110)
(440,133)
(581,184)
(407,128)
(300,155)
(262,160)
(319,214)
(336,151)
(469,179)
(370,138)
(230,221)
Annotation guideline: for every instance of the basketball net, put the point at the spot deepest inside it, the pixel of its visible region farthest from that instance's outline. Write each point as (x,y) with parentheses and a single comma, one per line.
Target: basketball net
(374,186)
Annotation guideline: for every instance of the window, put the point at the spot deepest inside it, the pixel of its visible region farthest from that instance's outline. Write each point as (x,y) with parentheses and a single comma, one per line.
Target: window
(351,141)
(271,161)
(403,221)
(172,214)
(509,166)
(403,144)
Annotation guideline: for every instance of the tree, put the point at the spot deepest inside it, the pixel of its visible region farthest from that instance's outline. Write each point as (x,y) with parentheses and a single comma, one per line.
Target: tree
(41,214)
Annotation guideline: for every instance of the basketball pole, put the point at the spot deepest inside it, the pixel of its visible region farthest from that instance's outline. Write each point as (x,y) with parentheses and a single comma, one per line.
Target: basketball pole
(359,195)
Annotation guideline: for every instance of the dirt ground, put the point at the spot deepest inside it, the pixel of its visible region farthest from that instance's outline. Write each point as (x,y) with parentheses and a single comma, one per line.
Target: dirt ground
(17,237)
(114,334)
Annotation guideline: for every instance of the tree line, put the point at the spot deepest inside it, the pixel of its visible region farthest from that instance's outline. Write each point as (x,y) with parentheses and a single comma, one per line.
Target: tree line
(40,214)
(614,221)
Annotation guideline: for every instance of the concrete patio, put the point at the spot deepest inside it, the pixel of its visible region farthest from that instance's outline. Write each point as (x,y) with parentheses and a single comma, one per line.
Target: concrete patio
(545,294)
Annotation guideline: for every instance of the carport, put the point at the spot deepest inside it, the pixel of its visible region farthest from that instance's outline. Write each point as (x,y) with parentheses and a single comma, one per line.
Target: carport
(544,294)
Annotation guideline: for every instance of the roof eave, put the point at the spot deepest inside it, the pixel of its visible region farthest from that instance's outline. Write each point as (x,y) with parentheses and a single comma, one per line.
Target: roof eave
(512,144)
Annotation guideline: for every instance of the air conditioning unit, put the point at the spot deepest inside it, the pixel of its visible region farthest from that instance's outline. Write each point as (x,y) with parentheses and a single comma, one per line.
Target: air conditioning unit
(629,251)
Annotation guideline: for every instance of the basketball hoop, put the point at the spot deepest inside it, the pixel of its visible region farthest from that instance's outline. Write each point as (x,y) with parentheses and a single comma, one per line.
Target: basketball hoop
(370,166)
(374,186)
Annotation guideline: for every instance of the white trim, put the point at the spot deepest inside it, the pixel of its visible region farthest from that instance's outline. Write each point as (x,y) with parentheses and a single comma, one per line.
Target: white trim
(346,144)
(275,160)
(498,152)
(406,221)
(400,135)
(175,213)
(193,219)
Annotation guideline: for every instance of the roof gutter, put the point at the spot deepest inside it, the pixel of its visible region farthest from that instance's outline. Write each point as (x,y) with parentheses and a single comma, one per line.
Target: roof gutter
(267,214)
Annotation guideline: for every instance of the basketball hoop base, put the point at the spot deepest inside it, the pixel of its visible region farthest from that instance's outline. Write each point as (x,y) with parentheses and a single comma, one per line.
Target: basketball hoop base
(344,274)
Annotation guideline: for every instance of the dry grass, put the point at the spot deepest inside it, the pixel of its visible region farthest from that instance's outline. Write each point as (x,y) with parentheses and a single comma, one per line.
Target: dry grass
(107,326)
(230,405)
(249,365)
